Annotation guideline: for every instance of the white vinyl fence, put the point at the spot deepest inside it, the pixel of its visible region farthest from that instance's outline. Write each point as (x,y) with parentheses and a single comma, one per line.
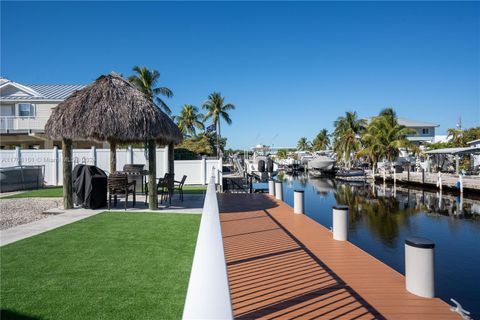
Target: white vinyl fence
(197,171)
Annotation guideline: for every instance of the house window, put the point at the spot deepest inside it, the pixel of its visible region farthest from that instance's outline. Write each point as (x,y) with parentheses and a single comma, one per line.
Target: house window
(7,111)
(26,109)
(425,131)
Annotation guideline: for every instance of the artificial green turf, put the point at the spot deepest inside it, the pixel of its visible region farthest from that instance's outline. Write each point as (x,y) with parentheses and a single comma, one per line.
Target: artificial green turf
(109,266)
(194,189)
(58,192)
(40,193)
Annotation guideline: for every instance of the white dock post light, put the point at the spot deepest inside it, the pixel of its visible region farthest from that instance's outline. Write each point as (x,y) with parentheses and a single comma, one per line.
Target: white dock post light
(420,266)
(279,190)
(298,201)
(340,223)
(271,187)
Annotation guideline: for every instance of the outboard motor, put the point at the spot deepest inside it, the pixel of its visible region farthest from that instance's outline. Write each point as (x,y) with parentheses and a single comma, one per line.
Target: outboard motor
(270,165)
(261,166)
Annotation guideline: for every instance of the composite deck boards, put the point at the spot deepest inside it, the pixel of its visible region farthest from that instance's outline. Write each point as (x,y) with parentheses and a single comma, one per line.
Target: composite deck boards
(286,266)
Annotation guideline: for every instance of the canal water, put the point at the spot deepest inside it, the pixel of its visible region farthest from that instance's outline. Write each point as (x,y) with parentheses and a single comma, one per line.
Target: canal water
(382,217)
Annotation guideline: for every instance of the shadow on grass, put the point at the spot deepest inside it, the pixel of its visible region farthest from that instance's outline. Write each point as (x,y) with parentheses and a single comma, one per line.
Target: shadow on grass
(6,314)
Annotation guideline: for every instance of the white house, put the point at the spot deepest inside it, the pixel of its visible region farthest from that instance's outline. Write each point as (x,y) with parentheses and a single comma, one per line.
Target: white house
(424,131)
(24,111)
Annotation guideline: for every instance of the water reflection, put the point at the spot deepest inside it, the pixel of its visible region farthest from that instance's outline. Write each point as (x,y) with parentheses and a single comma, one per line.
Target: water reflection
(383,215)
(386,209)
(377,209)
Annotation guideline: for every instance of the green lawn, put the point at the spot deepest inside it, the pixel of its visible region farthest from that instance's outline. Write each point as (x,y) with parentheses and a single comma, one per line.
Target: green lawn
(109,266)
(194,189)
(58,192)
(42,193)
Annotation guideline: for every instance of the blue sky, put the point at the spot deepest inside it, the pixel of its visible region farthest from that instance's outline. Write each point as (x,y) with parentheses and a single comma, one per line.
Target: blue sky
(290,68)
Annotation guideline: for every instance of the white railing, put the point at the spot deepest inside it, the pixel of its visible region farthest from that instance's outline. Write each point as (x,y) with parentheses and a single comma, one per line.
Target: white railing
(208,295)
(22,123)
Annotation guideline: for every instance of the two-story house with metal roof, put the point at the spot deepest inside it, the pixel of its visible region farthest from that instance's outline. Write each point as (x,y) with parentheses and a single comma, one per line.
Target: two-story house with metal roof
(424,131)
(24,111)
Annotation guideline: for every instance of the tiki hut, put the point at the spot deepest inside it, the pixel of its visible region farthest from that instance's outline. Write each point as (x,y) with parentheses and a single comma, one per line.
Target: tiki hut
(111,109)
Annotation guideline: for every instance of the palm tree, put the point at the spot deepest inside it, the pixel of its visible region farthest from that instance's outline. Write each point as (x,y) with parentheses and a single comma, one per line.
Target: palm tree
(321,141)
(347,136)
(456,136)
(189,119)
(217,109)
(303,144)
(384,137)
(146,81)
(281,154)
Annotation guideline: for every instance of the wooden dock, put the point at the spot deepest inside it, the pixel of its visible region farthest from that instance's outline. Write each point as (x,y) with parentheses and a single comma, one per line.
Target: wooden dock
(471,184)
(283,266)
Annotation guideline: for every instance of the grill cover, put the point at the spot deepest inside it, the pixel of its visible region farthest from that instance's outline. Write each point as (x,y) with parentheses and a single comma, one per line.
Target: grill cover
(89,186)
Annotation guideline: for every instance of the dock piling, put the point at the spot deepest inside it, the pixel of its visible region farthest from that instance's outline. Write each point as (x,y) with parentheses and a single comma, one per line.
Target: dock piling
(420,266)
(298,201)
(340,223)
(271,187)
(279,190)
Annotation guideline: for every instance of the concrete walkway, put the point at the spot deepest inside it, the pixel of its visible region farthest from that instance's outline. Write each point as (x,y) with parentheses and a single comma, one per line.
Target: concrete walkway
(192,204)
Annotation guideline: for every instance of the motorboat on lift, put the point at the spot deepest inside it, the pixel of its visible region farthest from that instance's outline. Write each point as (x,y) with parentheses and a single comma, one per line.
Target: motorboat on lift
(322,162)
(261,165)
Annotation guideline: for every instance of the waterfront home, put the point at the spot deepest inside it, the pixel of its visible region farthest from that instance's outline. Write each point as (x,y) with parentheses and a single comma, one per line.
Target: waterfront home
(424,131)
(24,111)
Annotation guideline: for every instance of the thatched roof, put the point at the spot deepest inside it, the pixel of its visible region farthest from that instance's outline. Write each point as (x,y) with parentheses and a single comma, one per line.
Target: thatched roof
(111,109)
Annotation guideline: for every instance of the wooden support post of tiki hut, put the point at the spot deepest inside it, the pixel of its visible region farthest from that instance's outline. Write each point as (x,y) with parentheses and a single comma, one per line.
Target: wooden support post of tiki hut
(67,174)
(113,156)
(171,159)
(152,176)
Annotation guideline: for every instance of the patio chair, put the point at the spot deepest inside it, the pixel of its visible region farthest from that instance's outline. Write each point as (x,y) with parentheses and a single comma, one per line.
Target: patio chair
(165,187)
(179,186)
(118,185)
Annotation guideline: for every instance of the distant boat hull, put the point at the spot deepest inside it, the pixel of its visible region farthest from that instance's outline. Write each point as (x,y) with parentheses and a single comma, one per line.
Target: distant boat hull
(321,163)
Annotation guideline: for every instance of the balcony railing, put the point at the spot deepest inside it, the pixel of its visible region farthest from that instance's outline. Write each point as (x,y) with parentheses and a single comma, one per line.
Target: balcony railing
(22,124)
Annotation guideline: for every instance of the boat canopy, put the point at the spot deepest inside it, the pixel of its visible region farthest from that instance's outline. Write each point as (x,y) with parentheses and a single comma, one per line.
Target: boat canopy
(465,150)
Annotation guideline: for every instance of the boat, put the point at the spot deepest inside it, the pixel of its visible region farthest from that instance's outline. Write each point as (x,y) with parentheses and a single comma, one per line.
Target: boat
(350,173)
(290,165)
(261,164)
(321,163)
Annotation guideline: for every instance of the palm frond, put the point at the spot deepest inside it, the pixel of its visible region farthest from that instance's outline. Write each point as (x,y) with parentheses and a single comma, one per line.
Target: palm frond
(164,91)
(163,106)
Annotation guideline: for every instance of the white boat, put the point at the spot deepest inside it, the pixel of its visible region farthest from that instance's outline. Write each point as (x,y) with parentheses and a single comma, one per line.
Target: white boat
(321,163)
(261,164)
